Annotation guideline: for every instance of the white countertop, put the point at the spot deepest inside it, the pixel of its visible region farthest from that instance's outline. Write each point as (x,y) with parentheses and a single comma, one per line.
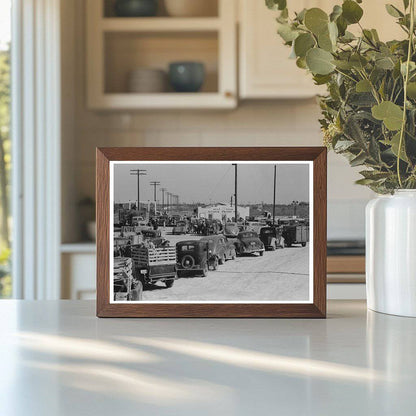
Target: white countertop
(56,358)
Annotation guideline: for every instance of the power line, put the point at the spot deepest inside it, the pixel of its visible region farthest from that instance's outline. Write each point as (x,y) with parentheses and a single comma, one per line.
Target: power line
(155,184)
(138,173)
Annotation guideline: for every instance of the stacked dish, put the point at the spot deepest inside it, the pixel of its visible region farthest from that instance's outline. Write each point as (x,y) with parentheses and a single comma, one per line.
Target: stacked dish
(147,80)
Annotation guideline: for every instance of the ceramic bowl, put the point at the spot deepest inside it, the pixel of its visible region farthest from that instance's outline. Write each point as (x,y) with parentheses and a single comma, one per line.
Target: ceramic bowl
(136,8)
(186,76)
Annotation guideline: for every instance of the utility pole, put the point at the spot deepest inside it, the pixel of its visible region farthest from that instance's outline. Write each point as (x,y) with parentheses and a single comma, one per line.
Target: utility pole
(274,193)
(155,184)
(168,200)
(163,190)
(138,173)
(235,192)
(295,204)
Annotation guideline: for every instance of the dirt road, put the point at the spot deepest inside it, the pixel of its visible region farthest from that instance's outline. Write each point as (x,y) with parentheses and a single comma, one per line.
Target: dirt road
(277,276)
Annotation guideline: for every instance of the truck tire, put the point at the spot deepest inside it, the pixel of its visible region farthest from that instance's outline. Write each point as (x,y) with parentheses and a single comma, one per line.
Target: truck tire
(188,262)
(303,244)
(169,282)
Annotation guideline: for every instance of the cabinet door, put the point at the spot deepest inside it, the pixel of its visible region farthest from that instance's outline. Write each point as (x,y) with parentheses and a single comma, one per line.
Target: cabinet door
(265,68)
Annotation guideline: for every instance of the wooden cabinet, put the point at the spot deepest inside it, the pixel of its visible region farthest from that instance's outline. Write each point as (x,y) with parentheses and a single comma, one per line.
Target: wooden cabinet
(265,70)
(117,45)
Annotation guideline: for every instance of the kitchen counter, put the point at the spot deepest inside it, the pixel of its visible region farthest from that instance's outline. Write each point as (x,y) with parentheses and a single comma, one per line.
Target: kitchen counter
(58,359)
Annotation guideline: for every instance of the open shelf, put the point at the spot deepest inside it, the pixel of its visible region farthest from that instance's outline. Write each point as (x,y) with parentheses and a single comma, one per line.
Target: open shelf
(160,24)
(116,46)
(127,51)
(211,9)
(194,101)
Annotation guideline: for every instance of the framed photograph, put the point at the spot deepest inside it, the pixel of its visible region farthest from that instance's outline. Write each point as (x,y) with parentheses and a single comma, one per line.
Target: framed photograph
(211,232)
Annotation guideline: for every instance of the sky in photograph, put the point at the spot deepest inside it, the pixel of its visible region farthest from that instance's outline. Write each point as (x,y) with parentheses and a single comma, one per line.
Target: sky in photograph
(212,183)
(5,21)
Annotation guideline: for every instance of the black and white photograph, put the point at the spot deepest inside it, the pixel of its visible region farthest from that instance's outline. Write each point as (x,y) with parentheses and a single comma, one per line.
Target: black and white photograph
(222,232)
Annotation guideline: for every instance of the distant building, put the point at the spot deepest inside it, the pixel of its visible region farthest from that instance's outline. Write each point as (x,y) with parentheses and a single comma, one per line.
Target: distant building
(223,212)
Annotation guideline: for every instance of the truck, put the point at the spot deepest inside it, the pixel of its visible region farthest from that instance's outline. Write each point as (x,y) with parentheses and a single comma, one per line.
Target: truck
(295,234)
(154,264)
(125,285)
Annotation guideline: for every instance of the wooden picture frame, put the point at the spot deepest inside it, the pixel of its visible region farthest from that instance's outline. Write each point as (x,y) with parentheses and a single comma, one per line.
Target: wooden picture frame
(316,308)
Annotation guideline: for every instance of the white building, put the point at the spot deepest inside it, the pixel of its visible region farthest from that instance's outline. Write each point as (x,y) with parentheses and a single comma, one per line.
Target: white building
(223,212)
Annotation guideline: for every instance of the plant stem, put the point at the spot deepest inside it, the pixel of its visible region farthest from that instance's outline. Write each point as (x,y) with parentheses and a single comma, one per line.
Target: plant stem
(406,80)
(345,75)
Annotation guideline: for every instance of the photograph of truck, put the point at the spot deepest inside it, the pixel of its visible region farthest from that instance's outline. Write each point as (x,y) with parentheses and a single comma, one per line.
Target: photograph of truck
(200,232)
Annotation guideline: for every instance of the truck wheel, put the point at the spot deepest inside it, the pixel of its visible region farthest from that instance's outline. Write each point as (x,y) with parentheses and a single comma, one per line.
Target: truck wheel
(170,282)
(303,244)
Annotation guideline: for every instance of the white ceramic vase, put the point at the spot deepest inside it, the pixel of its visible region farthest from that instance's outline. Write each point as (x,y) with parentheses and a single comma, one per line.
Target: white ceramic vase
(391,253)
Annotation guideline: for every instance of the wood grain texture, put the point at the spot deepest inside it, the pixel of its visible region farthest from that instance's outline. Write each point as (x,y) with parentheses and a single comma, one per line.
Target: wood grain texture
(254,310)
(346,264)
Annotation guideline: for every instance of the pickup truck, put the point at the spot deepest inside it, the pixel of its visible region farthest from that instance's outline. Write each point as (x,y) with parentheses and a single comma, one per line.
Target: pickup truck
(126,287)
(153,265)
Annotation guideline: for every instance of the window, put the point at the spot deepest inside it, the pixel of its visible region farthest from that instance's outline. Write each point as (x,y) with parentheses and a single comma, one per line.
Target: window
(5,158)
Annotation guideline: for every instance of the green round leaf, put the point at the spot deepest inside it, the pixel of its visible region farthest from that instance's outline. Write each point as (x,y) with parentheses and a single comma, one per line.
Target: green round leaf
(336,12)
(385,63)
(324,42)
(319,61)
(276,4)
(393,11)
(286,32)
(316,20)
(411,90)
(351,11)
(301,63)
(394,144)
(391,114)
(363,86)
(342,25)
(303,43)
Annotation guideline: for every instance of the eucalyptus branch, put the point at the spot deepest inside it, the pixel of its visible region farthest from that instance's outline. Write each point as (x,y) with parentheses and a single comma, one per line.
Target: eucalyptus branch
(364,114)
(345,75)
(373,89)
(406,80)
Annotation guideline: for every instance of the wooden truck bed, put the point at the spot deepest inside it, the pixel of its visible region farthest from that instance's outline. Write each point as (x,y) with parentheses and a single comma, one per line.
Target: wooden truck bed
(143,256)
